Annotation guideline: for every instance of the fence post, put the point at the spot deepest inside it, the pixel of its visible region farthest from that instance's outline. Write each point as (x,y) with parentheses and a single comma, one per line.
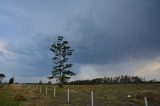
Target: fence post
(68,95)
(46,90)
(33,86)
(54,91)
(91,98)
(40,88)
(145,101)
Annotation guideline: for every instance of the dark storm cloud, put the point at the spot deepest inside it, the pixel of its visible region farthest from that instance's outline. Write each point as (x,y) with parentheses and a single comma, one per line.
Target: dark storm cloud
(131,31)
(102,32)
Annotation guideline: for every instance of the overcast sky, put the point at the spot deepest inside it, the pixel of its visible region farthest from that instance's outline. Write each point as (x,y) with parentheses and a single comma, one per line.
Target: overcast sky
(110,37)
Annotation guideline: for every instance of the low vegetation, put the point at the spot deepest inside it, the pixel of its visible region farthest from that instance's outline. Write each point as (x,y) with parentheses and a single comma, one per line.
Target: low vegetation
(6,97)
(80,95)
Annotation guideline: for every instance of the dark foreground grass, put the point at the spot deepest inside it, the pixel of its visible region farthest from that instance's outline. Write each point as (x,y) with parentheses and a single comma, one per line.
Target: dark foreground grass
(6,97)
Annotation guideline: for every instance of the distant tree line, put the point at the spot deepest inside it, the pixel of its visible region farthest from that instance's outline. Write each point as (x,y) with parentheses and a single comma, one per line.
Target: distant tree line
(123,79)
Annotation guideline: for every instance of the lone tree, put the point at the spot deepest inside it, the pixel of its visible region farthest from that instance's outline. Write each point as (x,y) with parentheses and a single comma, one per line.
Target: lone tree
(11,80)
(2,76)
(62,51)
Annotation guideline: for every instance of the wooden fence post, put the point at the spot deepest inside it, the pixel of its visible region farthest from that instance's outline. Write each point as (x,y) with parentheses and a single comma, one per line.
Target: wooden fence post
(54,91)
(91,98)
(46,90)
(33,86)
(40,89)
(145,101)
(68,95)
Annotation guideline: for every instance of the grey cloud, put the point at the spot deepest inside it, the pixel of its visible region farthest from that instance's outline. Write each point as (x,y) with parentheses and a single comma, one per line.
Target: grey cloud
(106,32)
(1,53)
(101,32)
(133,32)
(33,51)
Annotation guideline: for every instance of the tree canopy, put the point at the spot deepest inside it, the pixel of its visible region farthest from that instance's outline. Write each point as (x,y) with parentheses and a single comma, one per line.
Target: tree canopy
(2,76)
(11,81)
(62,51)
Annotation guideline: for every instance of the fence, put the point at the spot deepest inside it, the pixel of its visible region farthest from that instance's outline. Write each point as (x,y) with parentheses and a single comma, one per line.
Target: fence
(83,97)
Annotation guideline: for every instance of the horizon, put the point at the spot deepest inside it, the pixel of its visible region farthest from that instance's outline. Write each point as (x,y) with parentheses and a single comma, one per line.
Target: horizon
(109,37)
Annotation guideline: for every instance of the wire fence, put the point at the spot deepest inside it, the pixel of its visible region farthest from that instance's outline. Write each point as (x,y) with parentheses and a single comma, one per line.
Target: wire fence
(84,97)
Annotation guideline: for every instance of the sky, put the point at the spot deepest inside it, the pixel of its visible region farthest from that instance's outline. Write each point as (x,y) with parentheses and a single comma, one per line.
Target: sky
(109,37)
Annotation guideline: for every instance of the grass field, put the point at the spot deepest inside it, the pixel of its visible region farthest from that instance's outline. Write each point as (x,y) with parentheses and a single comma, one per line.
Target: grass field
(104,95)
(6,97)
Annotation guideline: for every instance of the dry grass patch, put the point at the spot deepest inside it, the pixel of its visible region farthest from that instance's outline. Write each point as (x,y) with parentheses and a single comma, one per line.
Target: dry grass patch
(152,95)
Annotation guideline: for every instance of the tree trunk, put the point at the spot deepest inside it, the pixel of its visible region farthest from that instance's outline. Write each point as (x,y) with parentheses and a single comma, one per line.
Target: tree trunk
(61,83)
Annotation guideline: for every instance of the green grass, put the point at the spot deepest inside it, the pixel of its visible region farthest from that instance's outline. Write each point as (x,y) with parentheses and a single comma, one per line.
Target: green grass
(104,95)
(6,97)
(111,95)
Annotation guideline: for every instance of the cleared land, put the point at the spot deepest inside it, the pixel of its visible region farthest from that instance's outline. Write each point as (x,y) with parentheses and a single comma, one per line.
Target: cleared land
(80,95)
